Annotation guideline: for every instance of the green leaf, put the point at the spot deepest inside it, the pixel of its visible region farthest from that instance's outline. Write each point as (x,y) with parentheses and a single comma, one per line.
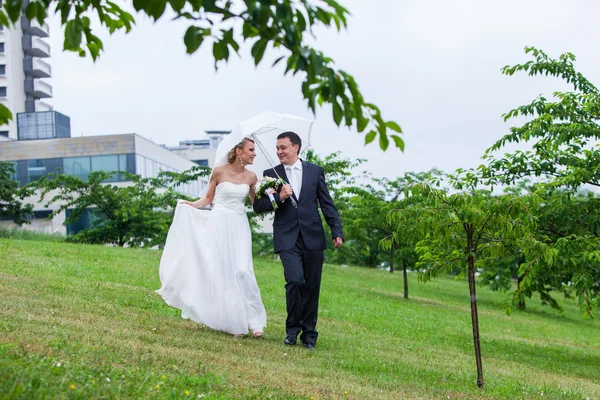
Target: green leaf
(291,62)
(361,123)
(193,38)
(369,137)
(277,61)
(263,15)
(258,50)
(13,10)
(73,35)
(301,21)
(228,38)
(31,11)
(220,52)
(384,142)
(140,4)
(4,19)
(155,8)
(177,5)
(5,114)
(393,126)
(209,5)
(94,45)
(249,31)
(398,141)
(337,112)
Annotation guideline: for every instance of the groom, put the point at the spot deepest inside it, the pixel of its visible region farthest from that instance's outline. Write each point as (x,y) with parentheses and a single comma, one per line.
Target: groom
(298,235)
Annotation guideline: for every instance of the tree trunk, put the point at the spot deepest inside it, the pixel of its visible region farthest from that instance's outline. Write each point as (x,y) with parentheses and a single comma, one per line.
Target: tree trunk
(392,259)
(521,303)
(405,280)
(474,317)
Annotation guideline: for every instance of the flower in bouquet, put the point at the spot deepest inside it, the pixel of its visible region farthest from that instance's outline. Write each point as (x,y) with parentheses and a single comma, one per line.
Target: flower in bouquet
(265,185)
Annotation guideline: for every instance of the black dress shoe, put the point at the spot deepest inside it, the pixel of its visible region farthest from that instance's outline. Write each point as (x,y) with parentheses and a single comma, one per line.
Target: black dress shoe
(290,340)
(309,346)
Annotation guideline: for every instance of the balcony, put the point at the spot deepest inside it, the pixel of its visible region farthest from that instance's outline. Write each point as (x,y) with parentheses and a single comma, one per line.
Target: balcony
(37,68)
(35,47)
(38,89)
(42,106)
(34,28)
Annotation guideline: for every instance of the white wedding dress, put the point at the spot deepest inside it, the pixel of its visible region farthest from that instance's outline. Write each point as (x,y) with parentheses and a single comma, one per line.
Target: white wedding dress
(206,268)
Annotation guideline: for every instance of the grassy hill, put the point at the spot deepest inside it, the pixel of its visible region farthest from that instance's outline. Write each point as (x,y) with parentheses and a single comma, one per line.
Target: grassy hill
(83,321)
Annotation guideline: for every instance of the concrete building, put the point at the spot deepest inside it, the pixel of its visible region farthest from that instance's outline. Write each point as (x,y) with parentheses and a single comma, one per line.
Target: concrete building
(45,147)
(202,151)
(23,71)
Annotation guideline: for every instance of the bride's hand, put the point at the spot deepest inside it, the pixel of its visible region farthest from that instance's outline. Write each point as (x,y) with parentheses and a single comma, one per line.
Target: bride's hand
(189,203)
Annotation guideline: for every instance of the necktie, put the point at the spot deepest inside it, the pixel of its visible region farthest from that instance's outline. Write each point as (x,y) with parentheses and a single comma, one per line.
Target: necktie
(292,177)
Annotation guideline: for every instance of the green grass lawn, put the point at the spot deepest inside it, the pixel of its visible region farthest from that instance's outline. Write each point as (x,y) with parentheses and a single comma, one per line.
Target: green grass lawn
(82,321)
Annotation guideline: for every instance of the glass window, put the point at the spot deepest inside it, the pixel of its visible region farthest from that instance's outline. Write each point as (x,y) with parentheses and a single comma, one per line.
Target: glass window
(35,169)
(122,162)
(62,125)
(4,133)
(38,125)
(77,166)
(2,69)
(14,175)
(107,164)
(83,222)
(2,91)
(1,47)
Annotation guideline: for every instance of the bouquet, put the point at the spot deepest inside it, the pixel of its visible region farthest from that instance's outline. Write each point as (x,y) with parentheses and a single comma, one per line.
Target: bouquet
(265,185)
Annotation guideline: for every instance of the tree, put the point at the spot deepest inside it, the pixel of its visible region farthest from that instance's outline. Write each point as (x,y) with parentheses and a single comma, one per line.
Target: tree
(565,156)
(282,24)
(467,229)
(570,223)
(396,238)
(138,214)
(564,132)
(11,205)
(339,176)
(365,221)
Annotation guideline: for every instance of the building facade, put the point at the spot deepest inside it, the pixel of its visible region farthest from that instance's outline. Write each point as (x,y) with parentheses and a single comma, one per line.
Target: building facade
(201,151)
(34,158)
(24,71)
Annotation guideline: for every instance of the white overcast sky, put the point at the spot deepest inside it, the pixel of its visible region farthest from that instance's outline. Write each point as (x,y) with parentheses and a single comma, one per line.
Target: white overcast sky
(432,66)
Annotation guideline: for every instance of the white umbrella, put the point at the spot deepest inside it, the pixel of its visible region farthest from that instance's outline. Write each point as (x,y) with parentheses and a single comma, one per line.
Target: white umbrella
(264,129)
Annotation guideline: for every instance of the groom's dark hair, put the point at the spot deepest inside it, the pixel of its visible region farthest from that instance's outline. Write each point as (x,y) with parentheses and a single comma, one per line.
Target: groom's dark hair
(294,138)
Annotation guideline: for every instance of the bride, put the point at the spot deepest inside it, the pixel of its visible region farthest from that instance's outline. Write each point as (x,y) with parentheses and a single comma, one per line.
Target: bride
(206,268)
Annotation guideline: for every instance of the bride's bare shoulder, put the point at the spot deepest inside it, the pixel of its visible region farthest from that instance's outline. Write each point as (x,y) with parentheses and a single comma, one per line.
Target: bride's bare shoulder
(219,170)
(251,178)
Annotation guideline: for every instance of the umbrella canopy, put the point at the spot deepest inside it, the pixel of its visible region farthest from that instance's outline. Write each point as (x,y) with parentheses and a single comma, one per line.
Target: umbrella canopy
(264,129)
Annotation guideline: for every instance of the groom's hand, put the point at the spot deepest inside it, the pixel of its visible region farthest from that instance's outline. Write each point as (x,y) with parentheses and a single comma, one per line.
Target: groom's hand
(337,242)
(285,192)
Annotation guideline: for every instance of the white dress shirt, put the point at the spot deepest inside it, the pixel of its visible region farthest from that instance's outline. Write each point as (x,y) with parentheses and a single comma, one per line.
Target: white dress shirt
(294,174)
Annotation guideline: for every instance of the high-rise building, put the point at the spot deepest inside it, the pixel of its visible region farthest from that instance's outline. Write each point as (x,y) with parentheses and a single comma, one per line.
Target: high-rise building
(24,70)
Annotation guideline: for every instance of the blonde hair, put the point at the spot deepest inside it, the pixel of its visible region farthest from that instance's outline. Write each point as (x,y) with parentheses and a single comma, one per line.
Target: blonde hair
(233,152)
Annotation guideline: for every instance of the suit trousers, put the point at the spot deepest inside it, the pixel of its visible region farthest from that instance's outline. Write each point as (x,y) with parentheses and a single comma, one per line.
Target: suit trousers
(302,270)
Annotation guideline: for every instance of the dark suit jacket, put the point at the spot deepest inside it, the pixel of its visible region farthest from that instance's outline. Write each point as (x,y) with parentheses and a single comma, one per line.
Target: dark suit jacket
(289,220)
